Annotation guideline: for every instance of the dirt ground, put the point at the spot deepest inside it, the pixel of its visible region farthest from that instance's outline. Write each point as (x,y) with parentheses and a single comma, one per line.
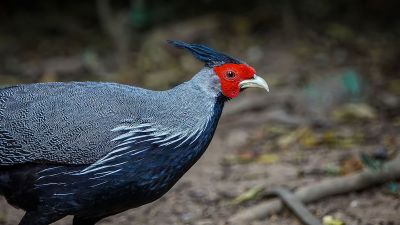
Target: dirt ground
(204,195)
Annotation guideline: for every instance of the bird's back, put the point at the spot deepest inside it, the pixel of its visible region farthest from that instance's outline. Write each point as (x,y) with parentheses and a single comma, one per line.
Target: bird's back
(64,122)
(80,122)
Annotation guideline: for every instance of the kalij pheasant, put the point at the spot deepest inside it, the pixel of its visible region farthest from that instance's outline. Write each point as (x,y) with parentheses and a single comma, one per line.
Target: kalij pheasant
(92,150)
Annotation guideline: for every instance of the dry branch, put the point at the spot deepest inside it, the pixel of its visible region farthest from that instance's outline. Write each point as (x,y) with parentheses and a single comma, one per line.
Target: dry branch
(328,187)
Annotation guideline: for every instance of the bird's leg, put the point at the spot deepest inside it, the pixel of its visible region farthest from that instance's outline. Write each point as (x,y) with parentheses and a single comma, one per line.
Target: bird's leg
(37,218)
(85,221)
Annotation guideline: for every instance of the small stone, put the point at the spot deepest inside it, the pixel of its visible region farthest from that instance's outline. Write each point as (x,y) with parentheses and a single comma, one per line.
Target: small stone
(354,204)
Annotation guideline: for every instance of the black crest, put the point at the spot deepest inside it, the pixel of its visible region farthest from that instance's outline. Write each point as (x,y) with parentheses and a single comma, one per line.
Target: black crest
(205,54)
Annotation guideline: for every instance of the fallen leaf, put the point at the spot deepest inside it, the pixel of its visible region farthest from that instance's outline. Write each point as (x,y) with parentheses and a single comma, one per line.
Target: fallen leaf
(276,129)
(309,139)
(347,142)
(332,170)
(351,165)
(287,140)
(329,137)
(353,112)
(248,195)
(240,158)
(329,220)
(268,158)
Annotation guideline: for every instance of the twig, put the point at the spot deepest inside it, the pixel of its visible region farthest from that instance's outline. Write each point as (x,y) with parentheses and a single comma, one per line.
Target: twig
(329,187)
(295,205)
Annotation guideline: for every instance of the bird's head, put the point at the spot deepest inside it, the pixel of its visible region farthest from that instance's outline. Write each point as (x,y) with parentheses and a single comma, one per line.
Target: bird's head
(233,74)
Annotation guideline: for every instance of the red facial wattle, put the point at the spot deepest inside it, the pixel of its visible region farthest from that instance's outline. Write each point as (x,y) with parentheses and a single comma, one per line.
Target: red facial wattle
(231,75)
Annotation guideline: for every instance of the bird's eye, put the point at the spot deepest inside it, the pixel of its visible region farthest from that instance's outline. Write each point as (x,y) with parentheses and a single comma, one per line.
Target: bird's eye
(230,75)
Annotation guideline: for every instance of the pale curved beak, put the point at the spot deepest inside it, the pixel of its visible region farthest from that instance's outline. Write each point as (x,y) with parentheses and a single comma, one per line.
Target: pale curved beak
(257,82)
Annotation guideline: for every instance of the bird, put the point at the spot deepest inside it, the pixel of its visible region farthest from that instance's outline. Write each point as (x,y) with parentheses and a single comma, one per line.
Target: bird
(95,149)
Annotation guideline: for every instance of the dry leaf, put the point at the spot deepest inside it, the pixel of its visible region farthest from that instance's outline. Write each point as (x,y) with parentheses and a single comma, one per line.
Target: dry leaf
(287,140)
(354,111)
(268,158)
(329,220)
(248,195)
(351,165)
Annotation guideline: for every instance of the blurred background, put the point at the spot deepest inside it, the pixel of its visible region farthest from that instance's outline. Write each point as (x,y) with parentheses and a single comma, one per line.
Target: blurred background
(334,108)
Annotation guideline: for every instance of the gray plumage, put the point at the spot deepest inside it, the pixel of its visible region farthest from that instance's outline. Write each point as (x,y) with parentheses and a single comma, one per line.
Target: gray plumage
(79,123)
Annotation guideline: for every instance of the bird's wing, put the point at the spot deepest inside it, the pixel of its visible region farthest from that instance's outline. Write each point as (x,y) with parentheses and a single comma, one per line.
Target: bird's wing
(68,123)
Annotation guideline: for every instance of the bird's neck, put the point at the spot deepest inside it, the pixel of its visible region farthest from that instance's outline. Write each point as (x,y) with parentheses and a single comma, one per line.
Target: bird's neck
(195,101)
(206,83)
(200,103)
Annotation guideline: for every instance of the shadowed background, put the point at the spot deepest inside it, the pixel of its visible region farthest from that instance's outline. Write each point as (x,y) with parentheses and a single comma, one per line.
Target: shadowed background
(333,69)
